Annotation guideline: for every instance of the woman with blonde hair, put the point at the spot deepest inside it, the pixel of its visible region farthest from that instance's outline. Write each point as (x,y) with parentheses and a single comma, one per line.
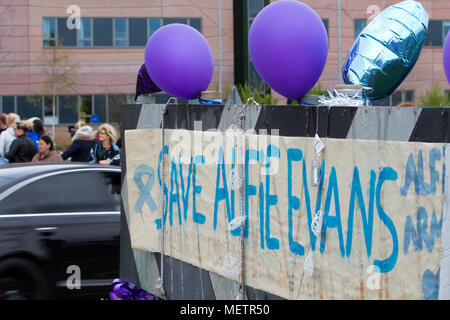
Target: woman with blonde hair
(106,151)
(8,136)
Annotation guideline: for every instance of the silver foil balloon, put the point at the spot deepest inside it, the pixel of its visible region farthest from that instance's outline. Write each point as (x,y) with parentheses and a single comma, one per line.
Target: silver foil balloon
(387,49)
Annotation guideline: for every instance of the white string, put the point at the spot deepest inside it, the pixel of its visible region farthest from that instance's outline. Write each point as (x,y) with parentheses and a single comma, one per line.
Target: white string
(251,99)
(241,154)
(160,281)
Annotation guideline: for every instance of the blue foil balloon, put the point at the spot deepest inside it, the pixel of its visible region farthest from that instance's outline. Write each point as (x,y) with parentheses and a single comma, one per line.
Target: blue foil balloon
(387,49)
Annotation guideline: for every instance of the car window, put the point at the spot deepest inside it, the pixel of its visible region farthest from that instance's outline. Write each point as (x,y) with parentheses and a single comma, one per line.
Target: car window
(68,192)
(113,185)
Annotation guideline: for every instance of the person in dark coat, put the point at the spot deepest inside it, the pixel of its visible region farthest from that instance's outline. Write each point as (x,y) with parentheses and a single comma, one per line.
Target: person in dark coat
(36,131)
(82,142)
(22,149)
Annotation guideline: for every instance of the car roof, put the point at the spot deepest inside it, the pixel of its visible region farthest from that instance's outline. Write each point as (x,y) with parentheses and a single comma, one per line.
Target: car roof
(13,173)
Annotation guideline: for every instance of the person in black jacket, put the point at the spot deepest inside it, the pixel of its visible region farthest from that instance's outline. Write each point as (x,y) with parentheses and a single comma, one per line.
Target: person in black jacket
(22,149)
(82,142)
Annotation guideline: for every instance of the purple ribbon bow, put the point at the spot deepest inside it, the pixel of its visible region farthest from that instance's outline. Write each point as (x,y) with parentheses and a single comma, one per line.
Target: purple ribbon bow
(123,290)
(144,83)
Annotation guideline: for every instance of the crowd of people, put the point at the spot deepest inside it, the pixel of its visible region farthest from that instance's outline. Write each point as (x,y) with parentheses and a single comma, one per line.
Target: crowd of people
(26,141)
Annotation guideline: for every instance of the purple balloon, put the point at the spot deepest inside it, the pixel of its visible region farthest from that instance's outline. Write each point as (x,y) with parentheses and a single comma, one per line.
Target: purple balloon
(446,57)
(288,45)
(179,60)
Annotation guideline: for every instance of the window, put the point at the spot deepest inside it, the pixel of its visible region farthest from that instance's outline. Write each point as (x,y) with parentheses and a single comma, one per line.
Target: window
(161,98)
(396,98)
(86,108)
(254,80)
(435,34)
(69,192)
(68,109)
(447,97)
(254,6)
(100,107)
(107,32)
(120,32)
(156,23)
(49,32)
(196,23)
(28,107)
(8,104)
(48,111)
(137,32)
(325,23)
(112,182)
(446,28)
(167,21)
(85,32)
(408,96)
(68,37)
(153,25)
(358,26)
(115,103)
(103,32)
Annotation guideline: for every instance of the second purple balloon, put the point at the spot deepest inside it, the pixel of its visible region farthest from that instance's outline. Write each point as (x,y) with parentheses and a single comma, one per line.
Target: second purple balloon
(288,45)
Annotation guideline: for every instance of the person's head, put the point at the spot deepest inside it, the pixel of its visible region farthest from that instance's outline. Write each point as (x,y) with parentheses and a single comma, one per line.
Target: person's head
(38,126)
(20,128)
(3,121)
(84,133)
(106,132)
(45,144)
(12,119)
(78,125)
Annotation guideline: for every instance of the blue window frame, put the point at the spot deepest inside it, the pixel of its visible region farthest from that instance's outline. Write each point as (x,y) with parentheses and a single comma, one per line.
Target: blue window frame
(85,33)
(358,26)
(120,32)
(8,104)
(196,23)
(68,109)
(66,36)
(107,32)
(103,32)
(49,32)
(167,21)
(100,107)
(28,109)
(153,25)
(137,32)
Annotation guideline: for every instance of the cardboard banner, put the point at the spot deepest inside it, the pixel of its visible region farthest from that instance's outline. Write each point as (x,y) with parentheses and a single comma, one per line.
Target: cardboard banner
(381,205)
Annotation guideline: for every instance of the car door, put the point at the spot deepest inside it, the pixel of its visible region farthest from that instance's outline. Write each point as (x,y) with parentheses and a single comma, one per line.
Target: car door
(73,216)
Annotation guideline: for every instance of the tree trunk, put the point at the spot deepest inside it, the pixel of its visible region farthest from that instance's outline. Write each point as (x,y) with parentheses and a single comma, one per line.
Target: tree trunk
(53,117)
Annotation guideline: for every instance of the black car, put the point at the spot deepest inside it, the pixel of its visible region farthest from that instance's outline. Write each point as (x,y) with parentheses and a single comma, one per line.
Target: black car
(59,230)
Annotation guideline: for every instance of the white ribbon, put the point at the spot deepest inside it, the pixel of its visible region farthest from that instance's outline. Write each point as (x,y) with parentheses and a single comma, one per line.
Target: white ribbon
(236,223)
(318,145)
(230,265)
(308,266)
(316,224)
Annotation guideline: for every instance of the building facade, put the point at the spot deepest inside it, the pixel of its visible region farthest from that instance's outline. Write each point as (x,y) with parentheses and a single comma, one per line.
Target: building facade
(103,42)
